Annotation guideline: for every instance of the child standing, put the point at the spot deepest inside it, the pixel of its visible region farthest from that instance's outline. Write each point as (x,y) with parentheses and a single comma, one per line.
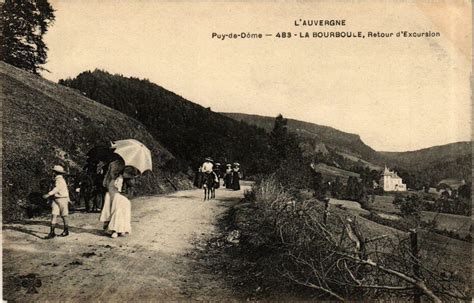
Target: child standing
(60,202)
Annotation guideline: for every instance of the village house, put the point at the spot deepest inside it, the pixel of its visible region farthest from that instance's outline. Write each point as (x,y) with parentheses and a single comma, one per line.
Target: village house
(390,181)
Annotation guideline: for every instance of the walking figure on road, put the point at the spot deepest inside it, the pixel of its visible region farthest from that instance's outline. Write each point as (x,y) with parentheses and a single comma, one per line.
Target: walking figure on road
(228,176)
(236,175)
(113,172)
(217,172)
(59,206)
(120,222)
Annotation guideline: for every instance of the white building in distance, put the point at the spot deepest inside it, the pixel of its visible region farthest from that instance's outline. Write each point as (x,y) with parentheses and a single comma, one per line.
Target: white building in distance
(390,181)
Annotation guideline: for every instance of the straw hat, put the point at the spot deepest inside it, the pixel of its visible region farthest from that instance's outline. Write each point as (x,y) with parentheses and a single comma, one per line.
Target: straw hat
(59,169)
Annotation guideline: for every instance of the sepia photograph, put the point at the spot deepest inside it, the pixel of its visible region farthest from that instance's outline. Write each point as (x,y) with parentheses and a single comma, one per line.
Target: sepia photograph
(236,150)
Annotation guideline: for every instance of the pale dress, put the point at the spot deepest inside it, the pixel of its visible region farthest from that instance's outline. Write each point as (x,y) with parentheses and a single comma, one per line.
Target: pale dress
(117,213)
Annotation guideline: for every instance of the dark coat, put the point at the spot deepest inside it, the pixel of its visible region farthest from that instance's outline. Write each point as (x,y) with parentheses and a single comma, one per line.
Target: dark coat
(235,180)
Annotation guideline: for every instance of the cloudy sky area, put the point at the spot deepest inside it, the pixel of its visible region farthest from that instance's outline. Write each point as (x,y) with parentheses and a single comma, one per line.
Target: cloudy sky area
(397,94)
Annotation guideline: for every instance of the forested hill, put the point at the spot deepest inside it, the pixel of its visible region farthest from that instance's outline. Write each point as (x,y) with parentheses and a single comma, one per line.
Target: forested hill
(427,156)
(435,163)
(331,137)
(188,130)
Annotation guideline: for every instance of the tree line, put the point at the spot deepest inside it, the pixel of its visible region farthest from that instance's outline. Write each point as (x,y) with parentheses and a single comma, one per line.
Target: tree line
(24,24)
(189,131)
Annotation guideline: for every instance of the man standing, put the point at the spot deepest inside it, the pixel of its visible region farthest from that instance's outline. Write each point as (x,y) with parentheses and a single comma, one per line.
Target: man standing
(59,206)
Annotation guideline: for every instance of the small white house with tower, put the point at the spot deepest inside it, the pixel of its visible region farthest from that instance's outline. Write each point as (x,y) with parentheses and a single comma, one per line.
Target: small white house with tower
(390,181)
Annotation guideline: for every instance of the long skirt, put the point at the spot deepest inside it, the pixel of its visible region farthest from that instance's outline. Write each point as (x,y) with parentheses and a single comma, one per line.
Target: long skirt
(228,180)
(107,206)
(106,209)
(218,183)
(120,215)
(235,181)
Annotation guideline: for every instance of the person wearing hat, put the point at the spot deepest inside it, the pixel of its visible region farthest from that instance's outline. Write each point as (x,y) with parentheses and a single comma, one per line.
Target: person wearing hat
(207,171)
(228,176)
(236,176)
(59,206)
(217,175)
(207,166)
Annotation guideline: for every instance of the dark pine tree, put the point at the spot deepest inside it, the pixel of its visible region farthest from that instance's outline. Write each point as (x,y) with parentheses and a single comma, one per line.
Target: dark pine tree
(24,23)
(279,139)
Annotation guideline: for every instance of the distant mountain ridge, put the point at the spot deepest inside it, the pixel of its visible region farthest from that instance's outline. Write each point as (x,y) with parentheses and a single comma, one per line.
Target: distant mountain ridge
(336,139)
(444,161)
(426,156)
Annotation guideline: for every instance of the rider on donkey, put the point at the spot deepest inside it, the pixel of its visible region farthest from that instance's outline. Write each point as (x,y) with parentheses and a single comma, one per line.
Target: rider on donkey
(207,168)
(208,165)
(209,176)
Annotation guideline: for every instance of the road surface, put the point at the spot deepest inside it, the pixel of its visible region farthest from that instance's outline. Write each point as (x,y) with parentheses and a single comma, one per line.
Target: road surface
(155,262)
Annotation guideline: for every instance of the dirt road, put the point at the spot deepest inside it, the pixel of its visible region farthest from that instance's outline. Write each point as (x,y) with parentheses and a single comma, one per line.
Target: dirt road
(153,263)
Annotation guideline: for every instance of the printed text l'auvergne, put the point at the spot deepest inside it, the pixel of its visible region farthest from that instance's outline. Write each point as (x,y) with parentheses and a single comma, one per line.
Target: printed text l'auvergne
(320,22)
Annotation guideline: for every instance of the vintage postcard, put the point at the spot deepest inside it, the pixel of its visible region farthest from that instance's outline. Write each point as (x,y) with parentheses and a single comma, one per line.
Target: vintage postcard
(236,150)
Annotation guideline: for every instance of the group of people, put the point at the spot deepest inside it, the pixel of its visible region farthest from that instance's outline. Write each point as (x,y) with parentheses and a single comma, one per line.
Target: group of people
(211,170)
(116,209)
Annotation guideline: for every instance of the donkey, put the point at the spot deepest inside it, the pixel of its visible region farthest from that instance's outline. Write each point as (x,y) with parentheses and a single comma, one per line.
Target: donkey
(209,186)
(88,193)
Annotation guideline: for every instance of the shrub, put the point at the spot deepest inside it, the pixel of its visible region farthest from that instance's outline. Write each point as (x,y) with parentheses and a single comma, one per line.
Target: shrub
(334,258)
(410,208)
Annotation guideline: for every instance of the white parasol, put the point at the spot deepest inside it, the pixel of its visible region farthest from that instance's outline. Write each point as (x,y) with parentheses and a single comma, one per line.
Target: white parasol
(134,153)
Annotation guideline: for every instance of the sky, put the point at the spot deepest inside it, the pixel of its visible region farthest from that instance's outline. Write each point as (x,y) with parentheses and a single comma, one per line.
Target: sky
(398,94)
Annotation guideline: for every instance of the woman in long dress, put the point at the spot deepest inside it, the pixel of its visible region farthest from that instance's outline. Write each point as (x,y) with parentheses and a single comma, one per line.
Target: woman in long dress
(114,170)
(116,213)
(228,176)
(120,214)
(236,177)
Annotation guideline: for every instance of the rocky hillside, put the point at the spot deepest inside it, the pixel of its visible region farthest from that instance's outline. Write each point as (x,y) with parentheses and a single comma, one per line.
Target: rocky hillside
(45,124)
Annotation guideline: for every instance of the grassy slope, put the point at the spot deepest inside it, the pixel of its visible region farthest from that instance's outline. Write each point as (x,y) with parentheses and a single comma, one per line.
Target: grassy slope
(371,166)
(45,123)
(456,223)
(436,251)
(332,171)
